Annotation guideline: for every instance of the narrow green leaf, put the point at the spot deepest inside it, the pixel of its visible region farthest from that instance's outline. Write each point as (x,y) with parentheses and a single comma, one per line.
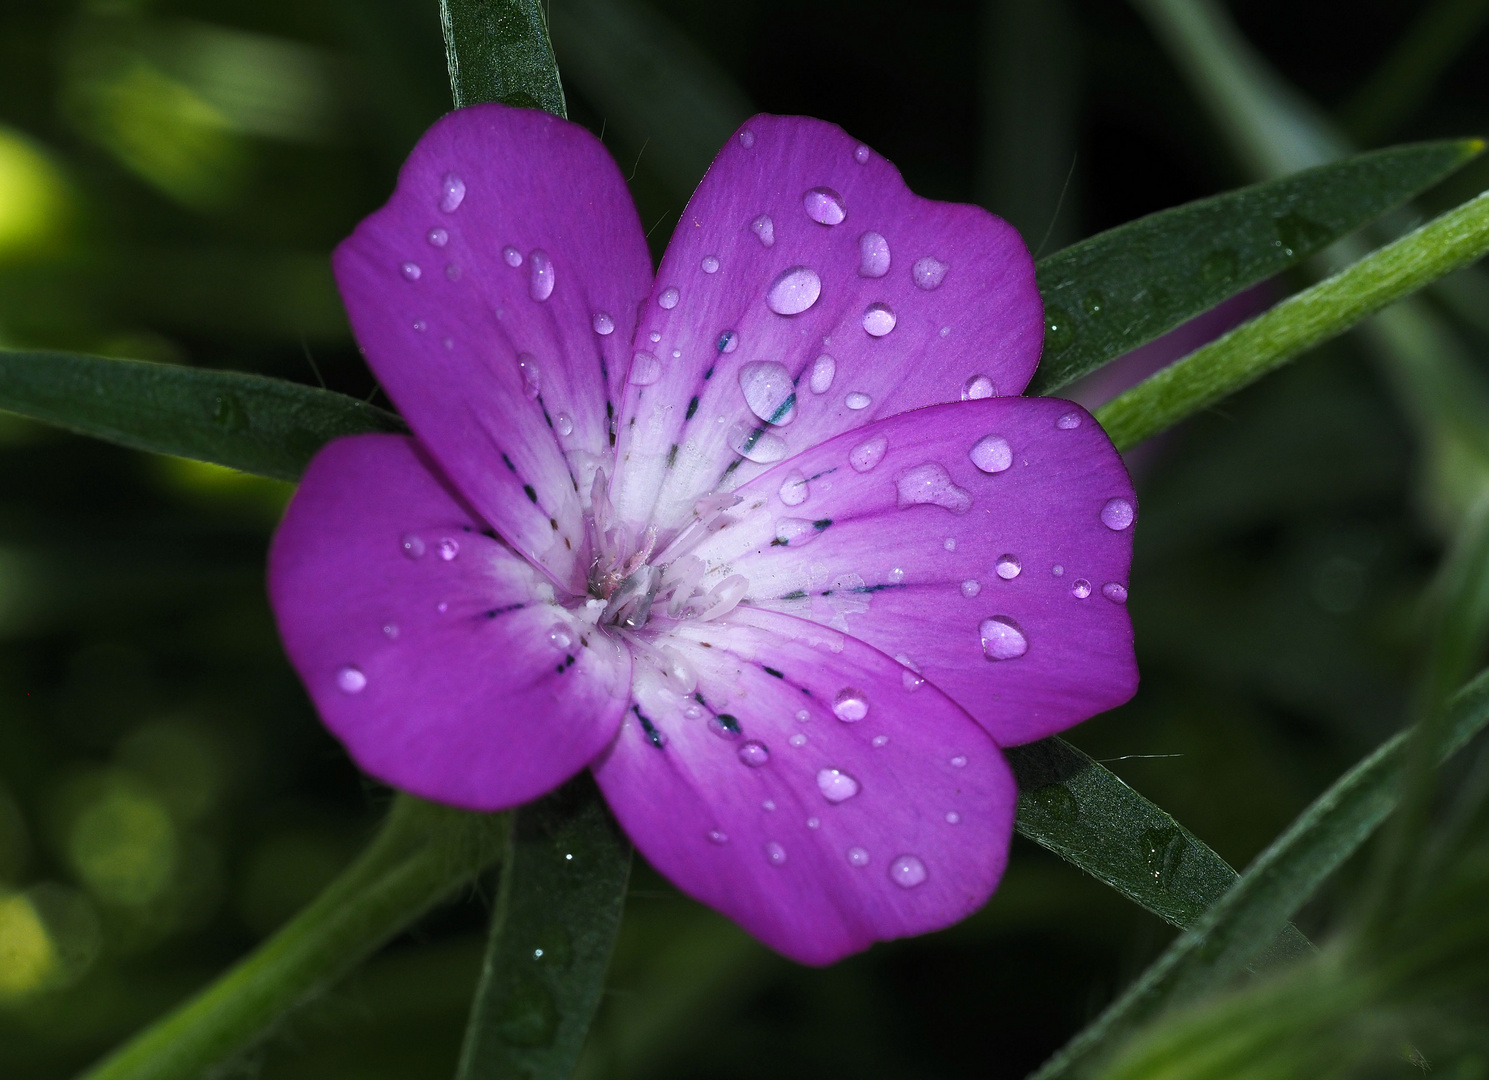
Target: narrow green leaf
(1300,322)
(562,892)
(1085,814)
(498,50)
(1238,927)
(265,426)
(1107,295)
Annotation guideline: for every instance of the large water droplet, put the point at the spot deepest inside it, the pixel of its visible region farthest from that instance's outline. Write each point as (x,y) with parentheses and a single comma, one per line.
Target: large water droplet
(564,425)
(857,856)
(1056,801)
(878,319)
(438,237)
(794,291)
(824,206)
(541,278)
(823,369)
(928,272)
(1001,639)
(959,762)
(1115,591)
(1117,514)
(971,587)
(532,379)
(907,871)
(764,230)
(978,387)
(604,324)
(753,753)
(412,546)
(857,400)
(850,705)
(931,483)
(350,680)
(512,256)
(861,154)
(873,255)
(559,636)
(451,192)
(410,271)
(1163,848)
(768,390)
(728,341)
(448,548)
(794,488)
(1008,567)
(1069,422)
(710,264)
(991,454)
(1080,589)
(753,442)
(669,297)
(747,138)
(645,369)
(775,854)
(836,786)
(866,455)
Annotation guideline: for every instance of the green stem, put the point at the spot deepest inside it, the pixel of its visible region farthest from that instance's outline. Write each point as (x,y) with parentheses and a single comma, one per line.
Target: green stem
(420,856)
(1298,323)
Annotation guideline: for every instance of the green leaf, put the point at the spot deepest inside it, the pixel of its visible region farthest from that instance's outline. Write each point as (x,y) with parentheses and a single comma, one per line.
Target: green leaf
(562,892)
(1107,295)
(498,50)
(248,422)
(1300,322)
(1238,927)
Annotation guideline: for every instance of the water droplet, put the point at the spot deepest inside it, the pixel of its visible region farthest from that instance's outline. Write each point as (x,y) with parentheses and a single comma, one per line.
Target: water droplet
(390,631)
(768,805)
(850,705)
(794,488)
(1081,589)
(880,740)
(452,271)
(541,278)
(814,823)
(856,401)
(896,575)
(798,740)
(351,680)
(451,192)
(448,548)
(654,337)
(945,330)
(878,319)
(412,546)
(1069,422)
(532,379)
(448,343)
(861,154)
(410,271)
(421,326)
(794,291)
(710,264)
(873,255)
(931,483)
(978,387)
(604,324)
(559,636)
(1008,567)
(1056,801)
(747,138)
(512,256)
(1115,591)
(928,272)
(1163,848)
(971,587)
(728,341)
(949,543)
(1058,333)
(991,454)
(564,425)
(669,298)
(442,607)
(959,762)
(803,715)
(796,532)
(769,391)
(1297,235)
(836,786)
(824,206)
(1002,639)
(775,853)
(1057,570)
(717,836)
(857,856)
(823,369)
(754,754)
(866,455)
(755,443)
(1117,514)
(953,818)
(764,230)
(911,681)
(907,871)
(645,369)
(438,237)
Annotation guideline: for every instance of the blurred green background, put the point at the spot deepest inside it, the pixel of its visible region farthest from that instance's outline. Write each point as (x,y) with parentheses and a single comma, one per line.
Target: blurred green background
(173,176)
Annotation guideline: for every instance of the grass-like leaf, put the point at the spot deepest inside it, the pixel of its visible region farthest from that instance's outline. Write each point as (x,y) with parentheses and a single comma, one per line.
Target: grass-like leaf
(1122,288)
(266,426)
(498,50)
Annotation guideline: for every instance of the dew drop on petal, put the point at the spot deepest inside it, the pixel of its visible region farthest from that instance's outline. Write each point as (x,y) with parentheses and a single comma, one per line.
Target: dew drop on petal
(768,805)
(1069,422)
(604,324)
(412,546)
(559,636)
(878,319)
(1081,589)
(710,264)
(824,206)
(421,326)
(775,854)
(718,836)
(532,379)
(803,715)
(1008,567)
(907,871)
(438,237)
(1001,639)
(1057,570)
(390,631)
(991,454)
(978,387)
(451,192)
(814,823)
(953,818)
(873,255)
(753,753)
(880,740)
(350,680)
(795,532)
(798,740)
(1115,591)
(911,681)
(836,786)
(949,543)
(764,230)
(794,291)
(645,369)
(931,483)
(861,154)
(753,442)
(747,138)
(928,272)
(1117,514)
(857,400)
(857,856)
(823,369)
(866,455)
(564,425)
(448,548)
(655,336)
(512,256)
(410,271)
(850,705)
(959,762)
(669,298)
(768,390)
(541,278)
(971,587)
(794,488)
(728,341)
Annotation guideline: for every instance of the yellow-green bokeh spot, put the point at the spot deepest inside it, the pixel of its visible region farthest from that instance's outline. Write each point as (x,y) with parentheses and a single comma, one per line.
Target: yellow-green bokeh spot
(27,959)
(36,202)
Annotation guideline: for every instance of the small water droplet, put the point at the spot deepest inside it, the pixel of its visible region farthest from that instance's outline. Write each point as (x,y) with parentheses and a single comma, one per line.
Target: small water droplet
(928,272)
(959,762)
(873,255)
(710,264)
(448,548)
(604,325)
(442,607)
(448,343)
(1002,639)
(907,871)
(824,206)
(512,256)
(798,740)
(768,805)
(564,425)
(978,387)
(749,441)
(944,331)
(559,636)
(814,823)
(669,298)
(850,705)
(803,715)
(991,454)
(1081,589)
(764,230)
(794,488)
(438,237)
(794,291)
(390,631)
(1057,570)
(856,401)
(857,856)
(949,543)
(836,786)
(541,277)
(796,532)
(1069,422)
(930,483)
(532,379)
(1117,514)
(728,341)
(747,138)
(421,326)
(1115,591)
(878,319)
(971,587)
(911,681)
(861,154)
(451,192)
(1056,801)
(866,455)
(350,680)
(717,836)
(1058,333)
(645,369)
(1163,848)
(754,753)
(410,271)
(775,854)
(1008,567)
(654,337)
(768,390)
(880,741)
(823,369)
(412,546)
(896,576)
(953,818)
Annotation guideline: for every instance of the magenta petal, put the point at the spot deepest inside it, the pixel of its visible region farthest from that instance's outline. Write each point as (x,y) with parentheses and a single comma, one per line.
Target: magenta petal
(495,297)
(805,791)
(804,252)
(431,650)
(985,543)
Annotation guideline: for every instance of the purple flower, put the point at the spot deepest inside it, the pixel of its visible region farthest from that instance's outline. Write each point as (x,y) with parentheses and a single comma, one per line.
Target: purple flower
(761,541)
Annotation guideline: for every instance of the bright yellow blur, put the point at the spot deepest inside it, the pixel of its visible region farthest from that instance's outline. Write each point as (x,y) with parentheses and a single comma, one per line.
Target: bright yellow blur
(27,958)
(35,201)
